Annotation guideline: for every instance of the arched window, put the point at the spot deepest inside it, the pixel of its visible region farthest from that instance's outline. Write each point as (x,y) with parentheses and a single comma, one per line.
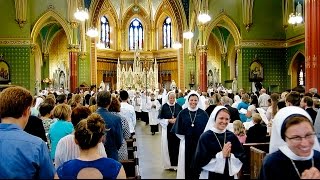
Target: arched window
(301,75)
(135,34)
(167,33)
(105,32)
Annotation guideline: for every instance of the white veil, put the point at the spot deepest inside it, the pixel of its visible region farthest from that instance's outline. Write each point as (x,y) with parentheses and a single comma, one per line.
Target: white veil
(276,141)
(186,103)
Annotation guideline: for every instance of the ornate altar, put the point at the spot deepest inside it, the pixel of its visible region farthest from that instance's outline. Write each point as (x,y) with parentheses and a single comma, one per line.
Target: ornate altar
(139,76)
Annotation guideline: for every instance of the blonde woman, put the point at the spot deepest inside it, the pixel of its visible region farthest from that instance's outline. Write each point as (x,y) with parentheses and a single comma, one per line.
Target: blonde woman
(61,127)
(239,131)
(273,109)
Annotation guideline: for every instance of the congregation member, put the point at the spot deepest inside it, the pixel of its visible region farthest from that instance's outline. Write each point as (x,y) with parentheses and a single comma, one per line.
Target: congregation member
(273,109)
(35,127)
(263,99)
(114,108)
(60,128)
(219,154)
(169,141)
(45,115)
(213,101)
(189,125)
(153,106)
(252,108)
(23,156)
(181,100)
(293,99)
(258,132)
(113,122)
(35,109)
(307,104)
(234,114)
(127,111)
(67,149)
(239,130)
(243,107)
(294,148)
(90,164)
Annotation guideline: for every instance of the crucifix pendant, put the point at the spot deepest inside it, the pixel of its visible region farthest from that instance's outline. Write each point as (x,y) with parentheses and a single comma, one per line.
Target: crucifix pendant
(192,125)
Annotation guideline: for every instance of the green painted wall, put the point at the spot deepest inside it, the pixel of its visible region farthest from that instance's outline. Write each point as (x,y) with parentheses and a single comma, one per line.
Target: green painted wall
(273,61)
(40,7)
(7,18)
(267,21)
(18,59)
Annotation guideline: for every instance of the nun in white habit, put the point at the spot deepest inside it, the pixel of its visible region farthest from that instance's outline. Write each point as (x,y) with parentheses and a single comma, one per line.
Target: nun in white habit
(189,125)
(169,141)
(219,154)
(294,148)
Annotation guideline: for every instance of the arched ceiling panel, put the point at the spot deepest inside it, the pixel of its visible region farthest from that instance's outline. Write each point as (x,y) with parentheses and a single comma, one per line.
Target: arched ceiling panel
(117,5)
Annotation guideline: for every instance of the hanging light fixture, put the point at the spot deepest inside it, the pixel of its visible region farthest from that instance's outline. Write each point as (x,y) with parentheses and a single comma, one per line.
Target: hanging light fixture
(176,45)
(92,32)
(81,14)
(188,35)
(204,18)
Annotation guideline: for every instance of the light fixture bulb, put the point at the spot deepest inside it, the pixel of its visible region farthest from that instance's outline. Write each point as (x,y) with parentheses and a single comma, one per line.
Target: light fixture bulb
(176,45)
(204,18)
(92,32)
(81,14)
(188,35)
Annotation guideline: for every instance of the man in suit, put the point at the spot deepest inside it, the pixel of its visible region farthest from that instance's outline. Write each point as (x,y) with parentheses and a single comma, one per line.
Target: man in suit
(114,136)
(258,132)
(234,114)
(307,104)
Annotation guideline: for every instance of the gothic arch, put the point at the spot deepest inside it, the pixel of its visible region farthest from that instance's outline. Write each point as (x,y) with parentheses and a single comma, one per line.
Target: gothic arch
(43,20)
(224,21)
(293,68)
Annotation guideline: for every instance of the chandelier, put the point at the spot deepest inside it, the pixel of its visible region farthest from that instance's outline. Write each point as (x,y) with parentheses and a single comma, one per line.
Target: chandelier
(81,14)
(92,32)
(204,18)
(188,35)
(295,18)
(176,45)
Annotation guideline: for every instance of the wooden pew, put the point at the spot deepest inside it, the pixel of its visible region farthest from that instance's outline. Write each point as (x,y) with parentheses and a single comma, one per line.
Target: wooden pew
(246,169)
(256,160)
(131,166)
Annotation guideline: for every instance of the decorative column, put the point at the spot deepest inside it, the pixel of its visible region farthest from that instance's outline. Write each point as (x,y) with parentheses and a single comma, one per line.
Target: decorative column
(21,7)
(312,44)
(203,67)
(73,60)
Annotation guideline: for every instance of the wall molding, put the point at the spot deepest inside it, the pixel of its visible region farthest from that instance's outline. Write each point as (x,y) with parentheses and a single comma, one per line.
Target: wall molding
(13,41)
(273,43)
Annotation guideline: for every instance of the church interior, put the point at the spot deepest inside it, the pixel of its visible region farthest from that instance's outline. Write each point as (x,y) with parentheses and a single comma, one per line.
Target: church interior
(43,44)
(147,45)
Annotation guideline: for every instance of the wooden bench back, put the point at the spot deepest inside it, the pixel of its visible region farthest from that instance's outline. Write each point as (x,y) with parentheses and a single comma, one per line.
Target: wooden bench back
(256,160)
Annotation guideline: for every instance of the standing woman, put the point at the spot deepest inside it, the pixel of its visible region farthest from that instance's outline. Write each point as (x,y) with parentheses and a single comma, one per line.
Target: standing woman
(219,154)
(169,141)
(189,125)
(294,148)
(90,164)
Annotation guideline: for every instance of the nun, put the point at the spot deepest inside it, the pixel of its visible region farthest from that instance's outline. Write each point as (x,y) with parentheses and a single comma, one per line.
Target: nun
(169,141)
(219,154)
(294,148)
(189,125)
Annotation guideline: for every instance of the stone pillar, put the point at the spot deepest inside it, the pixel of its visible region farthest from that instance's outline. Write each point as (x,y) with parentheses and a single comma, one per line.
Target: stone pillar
(203,67)
(73,60)
(312,43)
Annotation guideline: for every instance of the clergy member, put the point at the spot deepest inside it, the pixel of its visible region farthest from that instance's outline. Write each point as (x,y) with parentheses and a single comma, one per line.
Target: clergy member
(219,154)
(189,125)
(169,141)
(153,107)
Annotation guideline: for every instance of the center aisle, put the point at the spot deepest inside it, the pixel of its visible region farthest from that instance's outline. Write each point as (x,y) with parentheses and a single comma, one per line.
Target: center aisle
(149,154)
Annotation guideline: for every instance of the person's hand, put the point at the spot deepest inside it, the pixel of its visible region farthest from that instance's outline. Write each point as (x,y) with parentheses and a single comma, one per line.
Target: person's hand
(312,173)
(172,121)
(226,151)
(153,106)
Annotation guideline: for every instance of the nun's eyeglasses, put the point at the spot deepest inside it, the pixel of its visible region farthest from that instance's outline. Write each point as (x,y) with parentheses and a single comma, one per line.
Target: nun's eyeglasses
(298,139)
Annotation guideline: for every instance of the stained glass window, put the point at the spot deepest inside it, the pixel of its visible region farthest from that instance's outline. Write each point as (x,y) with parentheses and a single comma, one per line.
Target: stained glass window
(167,33)
(135,34)
(301,76)
(105,32)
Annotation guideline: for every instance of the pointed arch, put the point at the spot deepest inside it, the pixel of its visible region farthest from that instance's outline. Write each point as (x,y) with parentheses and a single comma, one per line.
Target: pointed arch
(43,20)
(293,68)
(224,21)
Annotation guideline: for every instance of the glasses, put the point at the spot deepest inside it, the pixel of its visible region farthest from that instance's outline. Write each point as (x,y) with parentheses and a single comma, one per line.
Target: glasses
(298,139)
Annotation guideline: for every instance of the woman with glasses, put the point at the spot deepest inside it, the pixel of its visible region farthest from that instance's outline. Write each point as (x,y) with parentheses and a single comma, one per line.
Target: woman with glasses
(294,149)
